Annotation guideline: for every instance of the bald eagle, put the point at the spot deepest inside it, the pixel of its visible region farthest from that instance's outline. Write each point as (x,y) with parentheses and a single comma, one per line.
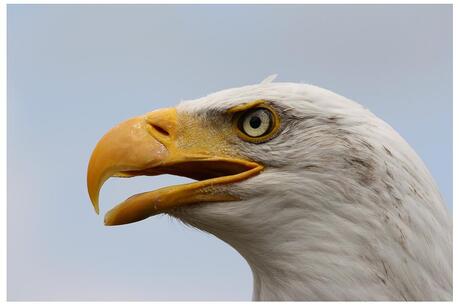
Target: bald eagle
(324,200)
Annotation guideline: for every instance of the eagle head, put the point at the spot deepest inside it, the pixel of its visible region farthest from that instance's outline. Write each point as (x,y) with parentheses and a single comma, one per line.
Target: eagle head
(322,198)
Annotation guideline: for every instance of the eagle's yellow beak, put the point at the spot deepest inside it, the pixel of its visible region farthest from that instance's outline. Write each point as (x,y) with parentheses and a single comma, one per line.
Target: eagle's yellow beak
(161,142)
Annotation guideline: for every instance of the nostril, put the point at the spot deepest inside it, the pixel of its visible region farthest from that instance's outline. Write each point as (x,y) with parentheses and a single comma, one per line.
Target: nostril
(162,122)
(160,130)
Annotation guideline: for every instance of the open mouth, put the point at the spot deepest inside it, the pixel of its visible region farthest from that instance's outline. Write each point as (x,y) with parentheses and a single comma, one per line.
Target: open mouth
(200,170)
(210,174)
(136,147)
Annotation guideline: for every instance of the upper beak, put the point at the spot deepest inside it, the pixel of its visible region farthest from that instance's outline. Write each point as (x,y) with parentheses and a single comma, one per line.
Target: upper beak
(147,145)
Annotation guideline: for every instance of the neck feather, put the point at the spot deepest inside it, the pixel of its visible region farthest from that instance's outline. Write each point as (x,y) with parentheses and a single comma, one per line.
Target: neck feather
(337,241)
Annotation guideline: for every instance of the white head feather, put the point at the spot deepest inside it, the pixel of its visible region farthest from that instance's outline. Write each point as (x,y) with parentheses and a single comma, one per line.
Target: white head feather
(345,209)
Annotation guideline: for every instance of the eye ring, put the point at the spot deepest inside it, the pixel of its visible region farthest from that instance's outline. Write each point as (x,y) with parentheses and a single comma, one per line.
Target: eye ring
(257,124)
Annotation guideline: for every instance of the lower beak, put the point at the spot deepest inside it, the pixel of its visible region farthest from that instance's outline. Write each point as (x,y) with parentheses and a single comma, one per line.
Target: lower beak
(146,145)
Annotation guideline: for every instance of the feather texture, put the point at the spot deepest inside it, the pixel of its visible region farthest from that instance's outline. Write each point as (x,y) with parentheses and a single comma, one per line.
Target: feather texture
(345,209)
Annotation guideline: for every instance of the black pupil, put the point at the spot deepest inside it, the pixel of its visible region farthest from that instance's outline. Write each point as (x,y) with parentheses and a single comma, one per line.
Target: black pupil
(255,122)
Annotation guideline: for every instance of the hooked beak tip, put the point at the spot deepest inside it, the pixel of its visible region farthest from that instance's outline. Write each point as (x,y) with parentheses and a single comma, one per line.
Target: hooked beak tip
(93,191)
(95,202)
(96,207)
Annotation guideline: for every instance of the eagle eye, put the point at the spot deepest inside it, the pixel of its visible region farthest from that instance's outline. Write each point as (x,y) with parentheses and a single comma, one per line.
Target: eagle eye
(257,124)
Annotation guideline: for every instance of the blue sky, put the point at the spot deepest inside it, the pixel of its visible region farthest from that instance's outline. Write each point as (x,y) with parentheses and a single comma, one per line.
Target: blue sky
(74,71)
